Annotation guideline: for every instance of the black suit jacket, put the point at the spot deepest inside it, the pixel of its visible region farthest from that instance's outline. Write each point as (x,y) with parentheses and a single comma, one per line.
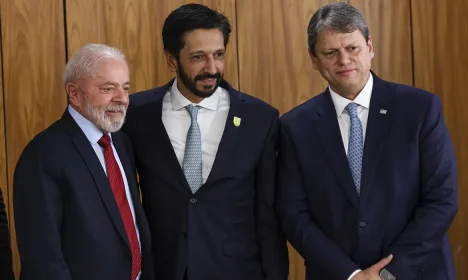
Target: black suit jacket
(68,224)
(408,194)
(6,265)
(228,230)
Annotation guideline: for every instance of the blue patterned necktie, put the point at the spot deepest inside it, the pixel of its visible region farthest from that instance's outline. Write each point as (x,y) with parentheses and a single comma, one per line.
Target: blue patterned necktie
(355,145)
(192,164)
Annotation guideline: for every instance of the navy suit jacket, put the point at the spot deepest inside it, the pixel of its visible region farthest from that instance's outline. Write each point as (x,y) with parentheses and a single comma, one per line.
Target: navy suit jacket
(68,224)
(6,265)
(228,229)
(408,190)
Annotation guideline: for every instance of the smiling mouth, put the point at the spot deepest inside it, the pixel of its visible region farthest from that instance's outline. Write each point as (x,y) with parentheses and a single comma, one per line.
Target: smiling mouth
(208,80)
(114,112)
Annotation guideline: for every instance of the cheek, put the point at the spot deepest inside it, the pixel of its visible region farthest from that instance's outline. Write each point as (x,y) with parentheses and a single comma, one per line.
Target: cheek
(102,102)
(327,66)
(365,61)
(192,72)
(220,65)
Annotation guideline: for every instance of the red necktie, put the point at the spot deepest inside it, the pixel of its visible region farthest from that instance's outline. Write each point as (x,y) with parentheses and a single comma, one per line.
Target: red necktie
(118,188)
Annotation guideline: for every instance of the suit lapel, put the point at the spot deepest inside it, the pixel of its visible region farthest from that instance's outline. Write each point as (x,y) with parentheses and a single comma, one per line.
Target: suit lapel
(377,126)
(230,134)
(330,136)
(160,148)
(95,168)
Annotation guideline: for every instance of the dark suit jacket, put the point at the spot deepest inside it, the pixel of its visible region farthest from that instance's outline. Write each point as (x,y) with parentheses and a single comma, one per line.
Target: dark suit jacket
(6,265)
(228,229)
(408,190)
(68,224)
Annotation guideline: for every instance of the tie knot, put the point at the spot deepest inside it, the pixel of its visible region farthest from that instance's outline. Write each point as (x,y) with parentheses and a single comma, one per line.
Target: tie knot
(352,109)
(104,141)
(193,111)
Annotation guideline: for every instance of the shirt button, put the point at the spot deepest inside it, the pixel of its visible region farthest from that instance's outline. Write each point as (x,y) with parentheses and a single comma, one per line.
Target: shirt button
(193,200)
(362,224)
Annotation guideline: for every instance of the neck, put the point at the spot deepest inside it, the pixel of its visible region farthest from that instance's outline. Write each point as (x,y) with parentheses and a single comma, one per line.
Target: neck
(188,94)
(351,94)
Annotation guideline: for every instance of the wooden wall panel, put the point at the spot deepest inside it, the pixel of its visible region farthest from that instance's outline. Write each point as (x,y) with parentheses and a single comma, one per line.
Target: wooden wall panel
(273,53)
(390,28)
(135,26)
(33,61)
(440,37)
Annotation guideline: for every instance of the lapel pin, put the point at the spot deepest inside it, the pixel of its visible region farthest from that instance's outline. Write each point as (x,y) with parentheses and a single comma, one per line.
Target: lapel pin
(383,111)
(237,121)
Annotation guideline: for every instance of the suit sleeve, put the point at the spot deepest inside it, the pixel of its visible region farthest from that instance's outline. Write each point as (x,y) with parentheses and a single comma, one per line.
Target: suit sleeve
(305,236)
(272,242)
(38,216)
(6,267)
(438,202)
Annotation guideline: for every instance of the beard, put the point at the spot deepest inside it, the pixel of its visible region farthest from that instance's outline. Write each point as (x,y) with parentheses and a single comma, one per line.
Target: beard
(191,85)
(101,120)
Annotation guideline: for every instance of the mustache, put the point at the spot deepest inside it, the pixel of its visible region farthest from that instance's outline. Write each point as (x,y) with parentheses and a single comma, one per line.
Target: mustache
(207,76)
(118,108)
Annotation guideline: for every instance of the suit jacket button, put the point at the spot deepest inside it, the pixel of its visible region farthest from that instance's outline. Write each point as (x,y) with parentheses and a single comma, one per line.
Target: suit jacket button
(193,200)
(184,234)
(362,224)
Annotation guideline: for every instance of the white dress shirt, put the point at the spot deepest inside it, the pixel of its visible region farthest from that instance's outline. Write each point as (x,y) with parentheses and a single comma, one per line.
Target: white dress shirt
(94,134)
(211,119)
(344,120)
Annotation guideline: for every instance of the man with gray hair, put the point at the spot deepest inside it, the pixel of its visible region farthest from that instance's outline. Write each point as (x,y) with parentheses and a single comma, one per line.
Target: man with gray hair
(367,173)
(76,200)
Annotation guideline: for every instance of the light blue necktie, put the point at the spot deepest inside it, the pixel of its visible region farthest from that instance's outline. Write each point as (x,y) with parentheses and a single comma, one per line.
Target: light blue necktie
(192,164)
(355,145)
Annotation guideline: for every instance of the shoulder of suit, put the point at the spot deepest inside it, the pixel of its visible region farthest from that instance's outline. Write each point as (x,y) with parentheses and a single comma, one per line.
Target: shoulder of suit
(304,108)
(406,94)
(49,134)
(49,143)
(255,101)
(141,98)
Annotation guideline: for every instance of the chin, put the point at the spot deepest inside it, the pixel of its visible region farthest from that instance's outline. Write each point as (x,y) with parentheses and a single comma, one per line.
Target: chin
(204,93)
(204,88)
(110,125)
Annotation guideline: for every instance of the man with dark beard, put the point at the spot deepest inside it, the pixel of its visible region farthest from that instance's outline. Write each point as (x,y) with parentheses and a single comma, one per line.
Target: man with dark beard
(76,200)
(205,155)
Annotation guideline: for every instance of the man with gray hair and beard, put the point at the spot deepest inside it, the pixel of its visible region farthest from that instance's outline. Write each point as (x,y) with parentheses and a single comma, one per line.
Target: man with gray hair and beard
(76,200)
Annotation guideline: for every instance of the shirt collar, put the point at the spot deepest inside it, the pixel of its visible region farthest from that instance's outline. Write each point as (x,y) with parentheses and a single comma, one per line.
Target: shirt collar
(179,101)
(363,98)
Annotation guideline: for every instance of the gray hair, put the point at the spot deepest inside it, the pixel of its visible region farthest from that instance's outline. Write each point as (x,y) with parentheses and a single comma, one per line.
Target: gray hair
(85,61)
(339,17)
